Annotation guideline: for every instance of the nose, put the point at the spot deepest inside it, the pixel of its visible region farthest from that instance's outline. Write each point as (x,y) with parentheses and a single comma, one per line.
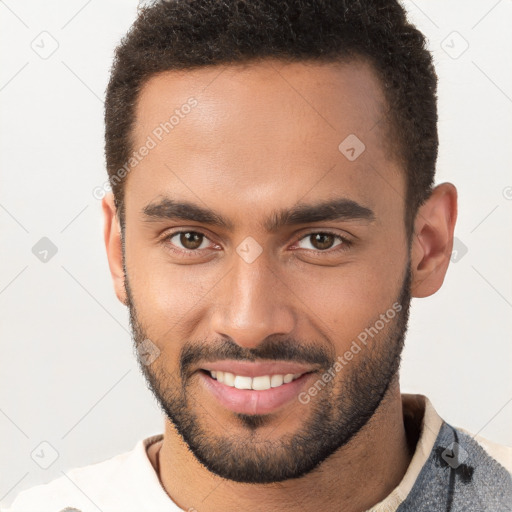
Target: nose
(253,303)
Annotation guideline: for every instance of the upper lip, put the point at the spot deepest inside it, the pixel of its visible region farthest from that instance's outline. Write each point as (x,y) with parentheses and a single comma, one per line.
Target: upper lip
(250,369)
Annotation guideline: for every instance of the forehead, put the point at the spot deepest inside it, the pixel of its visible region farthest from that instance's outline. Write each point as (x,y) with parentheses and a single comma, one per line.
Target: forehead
(263,133)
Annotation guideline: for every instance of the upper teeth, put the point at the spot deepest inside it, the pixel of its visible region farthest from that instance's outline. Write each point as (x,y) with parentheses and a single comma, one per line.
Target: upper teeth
(259,383)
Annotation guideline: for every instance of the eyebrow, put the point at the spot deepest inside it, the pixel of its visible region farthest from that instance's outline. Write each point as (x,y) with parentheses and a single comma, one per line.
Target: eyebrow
(340,209)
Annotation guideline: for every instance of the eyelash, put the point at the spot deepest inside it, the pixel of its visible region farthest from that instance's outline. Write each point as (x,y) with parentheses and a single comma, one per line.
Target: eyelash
(344,246)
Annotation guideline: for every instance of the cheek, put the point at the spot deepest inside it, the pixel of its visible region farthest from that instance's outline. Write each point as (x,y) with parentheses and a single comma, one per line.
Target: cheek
(166,295)
(344,301)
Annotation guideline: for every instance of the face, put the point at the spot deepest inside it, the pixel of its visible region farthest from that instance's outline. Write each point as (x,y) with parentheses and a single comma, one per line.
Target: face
(265,251)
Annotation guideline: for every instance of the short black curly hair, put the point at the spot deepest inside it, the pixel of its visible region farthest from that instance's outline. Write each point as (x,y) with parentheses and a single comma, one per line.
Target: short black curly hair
(185,34)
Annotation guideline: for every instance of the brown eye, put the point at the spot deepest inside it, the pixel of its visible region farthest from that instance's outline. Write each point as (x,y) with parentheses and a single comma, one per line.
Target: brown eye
(188,240)
(323,241)
(191,240)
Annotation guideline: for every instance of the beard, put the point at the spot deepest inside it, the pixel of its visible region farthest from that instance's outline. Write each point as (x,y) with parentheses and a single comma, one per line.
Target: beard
(336,414)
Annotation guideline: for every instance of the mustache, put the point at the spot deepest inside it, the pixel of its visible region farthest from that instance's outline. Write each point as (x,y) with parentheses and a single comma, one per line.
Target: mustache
(271,349)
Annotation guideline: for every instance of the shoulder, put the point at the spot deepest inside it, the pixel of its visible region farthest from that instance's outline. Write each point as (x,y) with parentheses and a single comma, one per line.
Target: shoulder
(433,426)
(79,488)
(501,453)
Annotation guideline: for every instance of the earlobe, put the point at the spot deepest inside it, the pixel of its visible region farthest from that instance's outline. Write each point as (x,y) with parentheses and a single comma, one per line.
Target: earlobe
(433,240)
(112,236)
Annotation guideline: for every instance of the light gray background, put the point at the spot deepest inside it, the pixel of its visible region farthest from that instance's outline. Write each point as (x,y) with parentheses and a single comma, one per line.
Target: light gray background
(68,374)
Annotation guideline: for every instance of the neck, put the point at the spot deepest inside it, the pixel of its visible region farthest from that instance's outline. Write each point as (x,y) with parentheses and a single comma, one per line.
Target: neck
(354,478)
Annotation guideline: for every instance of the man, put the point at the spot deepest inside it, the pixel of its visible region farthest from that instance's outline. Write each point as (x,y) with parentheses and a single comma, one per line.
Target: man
(273,212)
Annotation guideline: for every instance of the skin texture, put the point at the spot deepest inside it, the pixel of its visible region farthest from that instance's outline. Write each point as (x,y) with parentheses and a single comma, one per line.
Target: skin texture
(264,137)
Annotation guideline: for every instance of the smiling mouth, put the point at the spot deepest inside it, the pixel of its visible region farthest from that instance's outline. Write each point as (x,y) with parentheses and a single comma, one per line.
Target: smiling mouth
(261,389)
(257,383)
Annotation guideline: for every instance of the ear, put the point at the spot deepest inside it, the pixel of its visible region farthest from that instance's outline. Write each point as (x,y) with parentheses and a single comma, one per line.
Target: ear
(432,242)
(112,234)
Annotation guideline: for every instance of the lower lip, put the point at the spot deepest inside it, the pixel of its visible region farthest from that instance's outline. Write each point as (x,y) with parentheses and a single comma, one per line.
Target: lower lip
(248,401)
